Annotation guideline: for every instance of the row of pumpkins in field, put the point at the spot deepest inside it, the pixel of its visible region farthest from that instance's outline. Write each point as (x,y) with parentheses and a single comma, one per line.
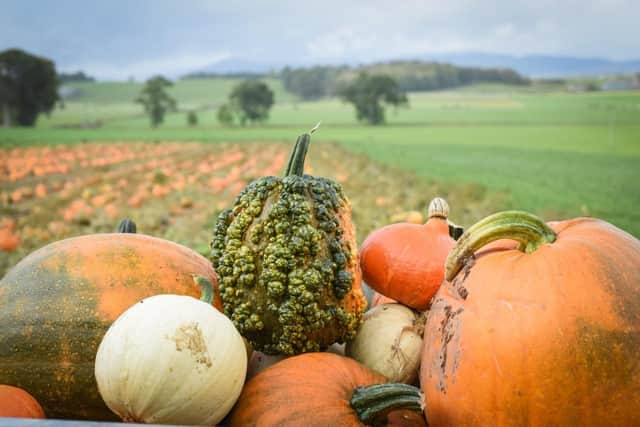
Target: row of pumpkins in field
(515,322)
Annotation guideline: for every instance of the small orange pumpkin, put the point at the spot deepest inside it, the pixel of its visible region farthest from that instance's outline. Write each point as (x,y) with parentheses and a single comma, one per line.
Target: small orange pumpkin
(405,262)
(544,333)
(9,239)
(17,403)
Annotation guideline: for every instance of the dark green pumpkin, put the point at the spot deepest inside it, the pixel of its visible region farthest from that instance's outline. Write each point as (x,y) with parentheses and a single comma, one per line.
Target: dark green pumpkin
(57,303)
(287,262)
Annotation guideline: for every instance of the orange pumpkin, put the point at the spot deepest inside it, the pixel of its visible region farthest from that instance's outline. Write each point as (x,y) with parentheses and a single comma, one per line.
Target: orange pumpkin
(17,403)
(9,239)
(321,389)
(405,418)
(405,262)
(57,303)
(546,332)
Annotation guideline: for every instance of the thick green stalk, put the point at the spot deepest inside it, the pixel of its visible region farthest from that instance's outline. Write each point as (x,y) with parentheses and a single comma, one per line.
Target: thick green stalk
(372,403)
(299,153)
(531,231)
(205,286)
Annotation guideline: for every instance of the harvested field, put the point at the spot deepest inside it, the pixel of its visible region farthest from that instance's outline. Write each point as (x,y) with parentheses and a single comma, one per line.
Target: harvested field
(175,190)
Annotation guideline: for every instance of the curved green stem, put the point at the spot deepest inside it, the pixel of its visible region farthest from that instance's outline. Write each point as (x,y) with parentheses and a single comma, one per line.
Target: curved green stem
(528,229)
(205,286)
(127,226)
(372,403)
(296,161)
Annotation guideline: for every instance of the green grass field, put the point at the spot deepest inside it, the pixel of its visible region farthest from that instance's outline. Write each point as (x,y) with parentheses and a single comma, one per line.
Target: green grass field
(554,153)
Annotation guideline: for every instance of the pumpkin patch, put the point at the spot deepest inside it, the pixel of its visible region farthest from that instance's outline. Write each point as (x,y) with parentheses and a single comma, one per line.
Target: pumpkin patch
(512,321)
(94,185)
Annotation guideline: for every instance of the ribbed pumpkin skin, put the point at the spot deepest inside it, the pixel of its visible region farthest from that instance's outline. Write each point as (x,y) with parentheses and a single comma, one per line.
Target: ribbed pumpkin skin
(546,338)
(57,303)
(311,390)
(17,403)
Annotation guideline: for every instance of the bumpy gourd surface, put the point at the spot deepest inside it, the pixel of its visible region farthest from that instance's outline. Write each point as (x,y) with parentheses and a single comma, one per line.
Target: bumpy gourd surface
(286,258)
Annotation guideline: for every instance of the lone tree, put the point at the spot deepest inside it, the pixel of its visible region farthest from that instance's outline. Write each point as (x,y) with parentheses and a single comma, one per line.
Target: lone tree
(156,100)
(368,93)
(28,87)
(192,118)
(250,101)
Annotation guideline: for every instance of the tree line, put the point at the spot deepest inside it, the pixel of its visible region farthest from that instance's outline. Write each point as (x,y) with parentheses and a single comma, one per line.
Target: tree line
(250,101)
(78,76)
(29,86)
(411,76)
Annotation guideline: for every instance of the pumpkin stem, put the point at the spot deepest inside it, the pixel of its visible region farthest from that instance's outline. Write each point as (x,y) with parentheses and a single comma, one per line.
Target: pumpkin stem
(528,229)
(372,403)
(206,286)
(127,226)
(299,153)
(438,208)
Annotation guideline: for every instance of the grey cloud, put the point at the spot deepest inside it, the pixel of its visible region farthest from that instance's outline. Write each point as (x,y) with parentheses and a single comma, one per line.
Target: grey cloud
(129,37)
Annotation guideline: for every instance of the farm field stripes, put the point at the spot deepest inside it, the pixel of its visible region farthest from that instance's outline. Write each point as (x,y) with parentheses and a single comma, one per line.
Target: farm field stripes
(95,196)
(175,190)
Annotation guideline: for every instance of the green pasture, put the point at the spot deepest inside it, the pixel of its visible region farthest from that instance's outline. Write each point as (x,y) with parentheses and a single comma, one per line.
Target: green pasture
(545,150)
(112,104)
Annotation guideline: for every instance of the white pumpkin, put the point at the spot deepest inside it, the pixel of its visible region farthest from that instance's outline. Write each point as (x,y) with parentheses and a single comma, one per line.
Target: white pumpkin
(171,359)
(390,342)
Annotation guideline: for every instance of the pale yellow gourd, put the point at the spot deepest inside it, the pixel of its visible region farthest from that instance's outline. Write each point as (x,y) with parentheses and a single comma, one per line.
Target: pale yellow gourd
(171,359)
(390,342)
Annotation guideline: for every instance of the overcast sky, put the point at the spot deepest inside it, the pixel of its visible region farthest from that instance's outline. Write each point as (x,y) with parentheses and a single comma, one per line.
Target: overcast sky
(115,39)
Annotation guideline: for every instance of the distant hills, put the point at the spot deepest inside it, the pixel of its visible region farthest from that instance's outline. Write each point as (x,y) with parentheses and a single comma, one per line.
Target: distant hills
(535,66)
(542,65)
